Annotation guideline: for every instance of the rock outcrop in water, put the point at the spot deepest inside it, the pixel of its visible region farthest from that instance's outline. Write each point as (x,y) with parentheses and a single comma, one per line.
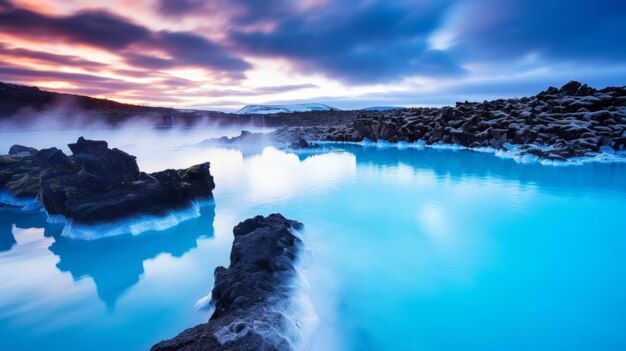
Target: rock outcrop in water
(252,295)
(301,143)
(573,121)
(245,138)
(98,184)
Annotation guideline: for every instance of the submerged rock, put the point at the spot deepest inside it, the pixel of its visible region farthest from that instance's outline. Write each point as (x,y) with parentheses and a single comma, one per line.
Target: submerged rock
(97,184)
(251,296)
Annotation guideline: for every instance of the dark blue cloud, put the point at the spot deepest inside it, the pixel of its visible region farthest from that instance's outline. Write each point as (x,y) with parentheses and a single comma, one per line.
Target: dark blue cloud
(358,42)
(353,41)
(192,49)
(573,31)
(177,8)
(380,41)
(242,12)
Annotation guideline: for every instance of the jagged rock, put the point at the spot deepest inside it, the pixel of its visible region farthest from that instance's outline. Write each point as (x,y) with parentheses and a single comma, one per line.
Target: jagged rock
(98,184)
(251,296)
(572,115)
(245,137)
(585,90)
(301,143)
(571,88)
(20,150)
(84,146)
(19,176)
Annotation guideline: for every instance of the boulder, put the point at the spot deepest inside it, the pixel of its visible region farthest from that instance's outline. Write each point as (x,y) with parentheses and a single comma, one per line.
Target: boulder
(301,143)
(22,150)
(571,88)
(95,147)
(245,137)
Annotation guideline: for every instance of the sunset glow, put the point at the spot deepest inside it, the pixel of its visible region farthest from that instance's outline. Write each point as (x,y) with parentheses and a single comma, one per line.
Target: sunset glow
(223,54)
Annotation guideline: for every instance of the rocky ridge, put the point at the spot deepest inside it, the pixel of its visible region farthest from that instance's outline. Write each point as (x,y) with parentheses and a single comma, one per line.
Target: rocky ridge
(97,184)
(253,296)
(557,124)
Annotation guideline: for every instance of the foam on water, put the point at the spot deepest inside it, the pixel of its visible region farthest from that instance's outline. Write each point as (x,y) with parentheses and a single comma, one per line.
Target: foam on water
(293,321)
(301,311)
(205,303)
(24,203)
(133,226)
(512,151)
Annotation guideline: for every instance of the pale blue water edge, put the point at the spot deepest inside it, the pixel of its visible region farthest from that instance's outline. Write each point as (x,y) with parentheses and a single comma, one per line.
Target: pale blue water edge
(413,250)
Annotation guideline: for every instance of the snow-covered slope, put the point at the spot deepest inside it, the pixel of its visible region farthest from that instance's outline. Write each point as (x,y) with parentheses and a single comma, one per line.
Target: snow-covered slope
(382,108)
(269,109)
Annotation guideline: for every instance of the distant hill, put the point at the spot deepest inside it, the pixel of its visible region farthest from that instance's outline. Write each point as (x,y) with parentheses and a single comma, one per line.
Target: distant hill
(31,107)
(272,109)
(14,97)
(22,104)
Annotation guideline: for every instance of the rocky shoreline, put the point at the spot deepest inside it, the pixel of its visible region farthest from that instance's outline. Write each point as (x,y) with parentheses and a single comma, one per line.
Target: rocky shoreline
(97,184)
(253,296)
(557,124)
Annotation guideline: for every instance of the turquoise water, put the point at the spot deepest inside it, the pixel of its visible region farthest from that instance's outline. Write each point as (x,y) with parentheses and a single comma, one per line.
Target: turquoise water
(412,250)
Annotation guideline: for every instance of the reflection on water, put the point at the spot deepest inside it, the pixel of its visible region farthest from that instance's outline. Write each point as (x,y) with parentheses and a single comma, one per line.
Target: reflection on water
(414,249)
(461,164)
(116,263)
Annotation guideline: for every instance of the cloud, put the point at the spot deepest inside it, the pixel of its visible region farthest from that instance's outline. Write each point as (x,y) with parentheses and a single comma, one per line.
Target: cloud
(198,50)
(178,7)
(357,42)
(239,12)
(20,74)
(352,41)
(268,90)
(68,60)
(575,31)
(376,41)
(113,33)
(194,50)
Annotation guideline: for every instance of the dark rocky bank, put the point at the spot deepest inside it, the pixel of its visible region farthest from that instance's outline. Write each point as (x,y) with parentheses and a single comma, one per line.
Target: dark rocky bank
(98,184)
(251,295)
(573,121)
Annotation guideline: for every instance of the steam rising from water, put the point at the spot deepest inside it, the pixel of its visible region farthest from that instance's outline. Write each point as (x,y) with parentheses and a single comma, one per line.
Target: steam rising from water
(156,149)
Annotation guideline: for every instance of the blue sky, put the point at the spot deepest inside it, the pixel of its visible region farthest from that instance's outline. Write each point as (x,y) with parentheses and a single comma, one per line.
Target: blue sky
(224,54)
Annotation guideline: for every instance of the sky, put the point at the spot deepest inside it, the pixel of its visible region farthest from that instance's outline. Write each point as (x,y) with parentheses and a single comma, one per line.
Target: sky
(224,54)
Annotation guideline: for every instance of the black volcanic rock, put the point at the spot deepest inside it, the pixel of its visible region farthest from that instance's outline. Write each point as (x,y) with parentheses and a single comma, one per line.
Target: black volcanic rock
(98,184)
(573,121)
(19,176)
(301,143)
(20,150)
(571,88)
(245,137)
(251,294)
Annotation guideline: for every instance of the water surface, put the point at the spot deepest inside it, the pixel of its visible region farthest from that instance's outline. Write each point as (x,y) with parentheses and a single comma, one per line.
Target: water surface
(413,250)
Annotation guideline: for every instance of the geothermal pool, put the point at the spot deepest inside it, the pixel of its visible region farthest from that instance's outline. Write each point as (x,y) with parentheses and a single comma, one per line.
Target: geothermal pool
(411,250)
